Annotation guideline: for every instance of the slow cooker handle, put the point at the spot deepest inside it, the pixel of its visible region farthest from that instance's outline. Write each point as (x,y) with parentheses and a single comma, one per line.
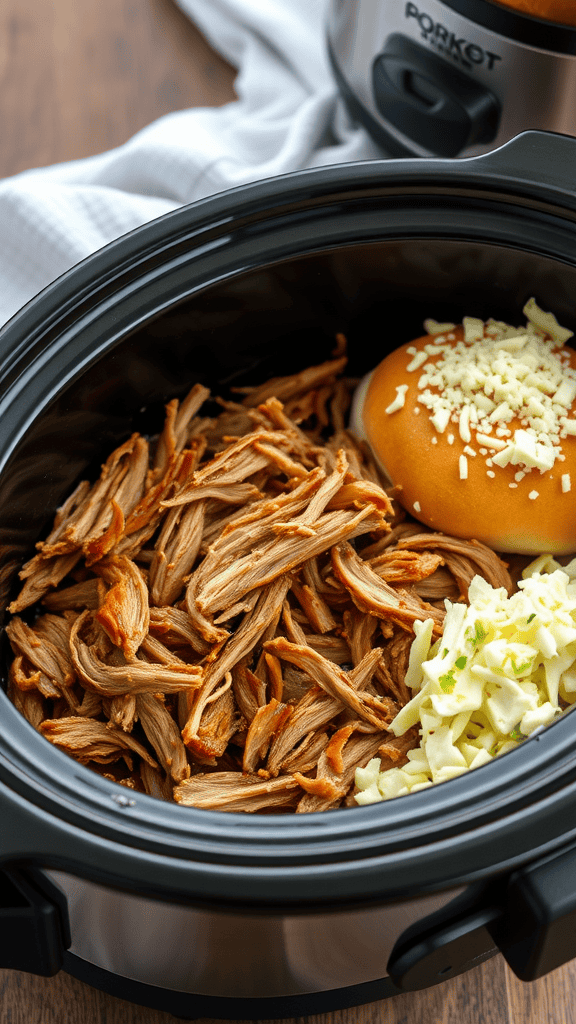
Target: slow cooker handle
(536,931)
(33,925)
(530,919)
(537,158)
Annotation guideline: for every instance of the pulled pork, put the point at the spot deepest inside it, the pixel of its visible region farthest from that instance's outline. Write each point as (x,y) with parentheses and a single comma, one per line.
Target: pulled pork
(225,616)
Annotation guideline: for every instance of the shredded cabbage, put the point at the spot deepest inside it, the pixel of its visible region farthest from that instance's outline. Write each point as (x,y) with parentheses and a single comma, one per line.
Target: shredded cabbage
(495,677)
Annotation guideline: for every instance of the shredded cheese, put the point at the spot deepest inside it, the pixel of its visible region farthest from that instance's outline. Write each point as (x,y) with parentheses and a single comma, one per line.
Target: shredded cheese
(400,399)
(499,374)
(546,322)
(433,327)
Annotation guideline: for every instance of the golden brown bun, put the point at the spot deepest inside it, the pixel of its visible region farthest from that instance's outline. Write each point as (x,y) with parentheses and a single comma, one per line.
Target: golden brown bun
(480,507)
(563,11)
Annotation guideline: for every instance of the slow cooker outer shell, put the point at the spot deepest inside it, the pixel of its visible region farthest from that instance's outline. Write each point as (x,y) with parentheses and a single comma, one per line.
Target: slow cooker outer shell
(290,261)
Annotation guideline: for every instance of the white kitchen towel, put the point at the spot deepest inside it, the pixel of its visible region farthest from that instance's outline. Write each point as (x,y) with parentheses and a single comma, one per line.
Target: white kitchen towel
(288,116)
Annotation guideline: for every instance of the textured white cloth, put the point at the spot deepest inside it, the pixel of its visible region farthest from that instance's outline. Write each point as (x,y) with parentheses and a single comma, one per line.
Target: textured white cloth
(288,116)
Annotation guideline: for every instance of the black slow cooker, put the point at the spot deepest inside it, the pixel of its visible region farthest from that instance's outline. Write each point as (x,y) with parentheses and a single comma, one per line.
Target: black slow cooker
(226,915)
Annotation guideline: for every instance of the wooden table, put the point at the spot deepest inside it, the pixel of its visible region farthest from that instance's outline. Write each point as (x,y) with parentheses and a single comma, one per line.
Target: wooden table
(78,78)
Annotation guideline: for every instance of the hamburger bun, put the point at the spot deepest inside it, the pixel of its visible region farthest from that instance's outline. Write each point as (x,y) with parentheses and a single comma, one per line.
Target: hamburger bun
(453,484)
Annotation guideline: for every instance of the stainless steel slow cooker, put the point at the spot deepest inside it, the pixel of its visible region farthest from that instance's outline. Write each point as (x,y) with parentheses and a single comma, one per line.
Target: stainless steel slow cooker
(451,77)
(222,915)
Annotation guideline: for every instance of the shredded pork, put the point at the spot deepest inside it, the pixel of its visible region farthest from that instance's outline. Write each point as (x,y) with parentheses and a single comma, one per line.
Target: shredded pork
(224,617)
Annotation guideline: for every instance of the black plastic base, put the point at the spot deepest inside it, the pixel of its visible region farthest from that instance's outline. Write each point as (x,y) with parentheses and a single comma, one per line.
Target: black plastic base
(391,147)
(190,1007)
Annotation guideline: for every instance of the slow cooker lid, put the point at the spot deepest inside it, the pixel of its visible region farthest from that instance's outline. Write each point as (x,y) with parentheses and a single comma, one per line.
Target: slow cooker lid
(61,814)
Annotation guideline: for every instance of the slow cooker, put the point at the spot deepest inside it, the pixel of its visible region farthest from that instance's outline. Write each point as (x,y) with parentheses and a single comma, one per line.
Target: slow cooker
(223,915)
(452,77)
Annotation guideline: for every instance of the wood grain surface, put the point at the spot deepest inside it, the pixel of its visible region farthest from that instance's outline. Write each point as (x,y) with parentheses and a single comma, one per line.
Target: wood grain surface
(78,78)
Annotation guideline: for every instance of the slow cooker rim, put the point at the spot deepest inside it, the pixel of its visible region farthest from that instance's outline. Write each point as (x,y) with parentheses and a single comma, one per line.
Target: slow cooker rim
(322,822)
(55,784)
(473,174)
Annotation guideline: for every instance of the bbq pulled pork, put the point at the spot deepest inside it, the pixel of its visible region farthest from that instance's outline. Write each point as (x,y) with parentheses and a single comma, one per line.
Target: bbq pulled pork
(224,617)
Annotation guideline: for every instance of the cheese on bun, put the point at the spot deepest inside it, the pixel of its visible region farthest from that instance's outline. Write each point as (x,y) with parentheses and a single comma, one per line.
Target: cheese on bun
(476,427)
